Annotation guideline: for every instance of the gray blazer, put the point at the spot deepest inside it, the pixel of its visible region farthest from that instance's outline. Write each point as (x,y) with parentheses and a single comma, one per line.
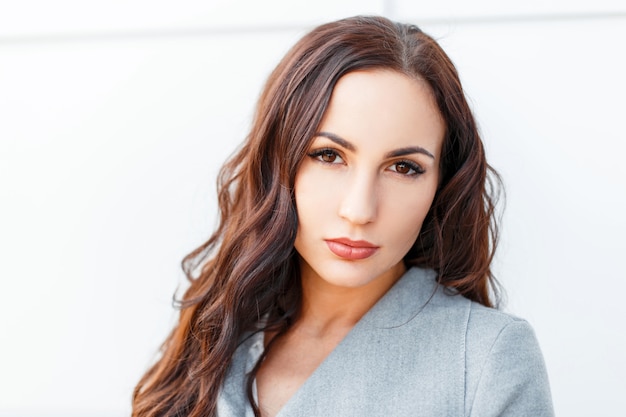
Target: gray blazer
(420,351)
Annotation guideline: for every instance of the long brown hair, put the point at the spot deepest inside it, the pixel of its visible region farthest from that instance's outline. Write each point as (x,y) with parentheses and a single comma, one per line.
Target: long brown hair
(248,269)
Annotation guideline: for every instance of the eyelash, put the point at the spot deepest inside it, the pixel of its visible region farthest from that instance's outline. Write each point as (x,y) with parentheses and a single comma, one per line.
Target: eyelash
(417,170)
(317,155)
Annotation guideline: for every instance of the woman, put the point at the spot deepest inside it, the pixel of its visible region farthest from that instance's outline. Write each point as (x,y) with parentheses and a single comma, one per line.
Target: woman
(350,271)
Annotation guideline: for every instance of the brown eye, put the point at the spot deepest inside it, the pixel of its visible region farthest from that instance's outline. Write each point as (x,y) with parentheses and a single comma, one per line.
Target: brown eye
(407,168)
(402,168)
(328,156)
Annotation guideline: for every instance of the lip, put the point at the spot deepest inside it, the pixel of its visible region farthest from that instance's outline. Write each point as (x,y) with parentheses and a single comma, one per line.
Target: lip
(351,249)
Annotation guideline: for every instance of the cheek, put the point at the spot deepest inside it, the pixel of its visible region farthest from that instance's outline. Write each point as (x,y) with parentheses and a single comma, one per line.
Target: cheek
(313,200)
(405,214)
(315,191)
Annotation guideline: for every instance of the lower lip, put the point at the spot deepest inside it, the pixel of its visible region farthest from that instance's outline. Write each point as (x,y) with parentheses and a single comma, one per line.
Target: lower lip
(350,252)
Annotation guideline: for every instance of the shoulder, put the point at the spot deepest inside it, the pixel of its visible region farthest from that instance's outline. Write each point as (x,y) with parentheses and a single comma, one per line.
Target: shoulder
(504,367)
(486,326)
(490,333)
(499,358)
(486,332)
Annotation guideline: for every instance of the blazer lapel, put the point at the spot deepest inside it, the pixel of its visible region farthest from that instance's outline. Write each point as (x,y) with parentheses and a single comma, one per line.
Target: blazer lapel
(405,354)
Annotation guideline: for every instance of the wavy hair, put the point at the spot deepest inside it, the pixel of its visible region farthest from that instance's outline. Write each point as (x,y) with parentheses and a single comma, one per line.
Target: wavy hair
(248,269)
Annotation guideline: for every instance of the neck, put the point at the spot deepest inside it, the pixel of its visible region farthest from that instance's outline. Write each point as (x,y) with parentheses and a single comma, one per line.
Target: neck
(328,308)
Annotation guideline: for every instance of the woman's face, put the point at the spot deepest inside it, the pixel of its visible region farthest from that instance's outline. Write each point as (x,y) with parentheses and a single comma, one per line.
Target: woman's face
(368,180)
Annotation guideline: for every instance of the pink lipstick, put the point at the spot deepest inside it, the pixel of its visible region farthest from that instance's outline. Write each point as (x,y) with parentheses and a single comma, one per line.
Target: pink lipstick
(351,249)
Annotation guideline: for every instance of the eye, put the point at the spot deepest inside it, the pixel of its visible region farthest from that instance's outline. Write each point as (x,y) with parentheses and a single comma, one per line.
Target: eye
(407,168)
(327,156)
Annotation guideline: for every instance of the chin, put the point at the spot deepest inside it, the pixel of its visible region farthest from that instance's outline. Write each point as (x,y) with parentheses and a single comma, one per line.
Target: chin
(351,274)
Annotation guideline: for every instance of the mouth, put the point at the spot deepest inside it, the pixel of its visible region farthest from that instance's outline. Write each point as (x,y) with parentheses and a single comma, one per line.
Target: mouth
(351,249)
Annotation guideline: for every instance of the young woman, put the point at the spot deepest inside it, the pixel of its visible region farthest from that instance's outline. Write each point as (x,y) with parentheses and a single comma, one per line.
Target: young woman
(350,271)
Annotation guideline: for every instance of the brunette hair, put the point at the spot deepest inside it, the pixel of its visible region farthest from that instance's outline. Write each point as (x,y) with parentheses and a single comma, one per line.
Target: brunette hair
(248,269)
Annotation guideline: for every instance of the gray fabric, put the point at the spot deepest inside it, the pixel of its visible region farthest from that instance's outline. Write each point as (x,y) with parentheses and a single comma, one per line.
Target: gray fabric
(420,351)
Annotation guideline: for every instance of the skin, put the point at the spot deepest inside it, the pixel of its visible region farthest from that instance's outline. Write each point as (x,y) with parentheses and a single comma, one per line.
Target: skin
(353,184)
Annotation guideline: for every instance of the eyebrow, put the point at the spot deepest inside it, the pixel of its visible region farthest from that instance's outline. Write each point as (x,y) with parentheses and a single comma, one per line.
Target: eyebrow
(392,154)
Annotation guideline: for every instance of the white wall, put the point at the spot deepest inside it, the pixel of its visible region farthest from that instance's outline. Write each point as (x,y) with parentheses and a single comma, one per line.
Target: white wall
(115,116)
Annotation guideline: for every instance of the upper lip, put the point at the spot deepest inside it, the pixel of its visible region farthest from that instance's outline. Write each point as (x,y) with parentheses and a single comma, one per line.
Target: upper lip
(353,243)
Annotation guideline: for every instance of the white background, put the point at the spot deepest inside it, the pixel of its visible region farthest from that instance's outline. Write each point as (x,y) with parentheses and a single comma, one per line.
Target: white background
(116,115)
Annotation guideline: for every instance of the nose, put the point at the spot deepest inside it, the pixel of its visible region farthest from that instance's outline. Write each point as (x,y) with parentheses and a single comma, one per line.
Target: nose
(359,204)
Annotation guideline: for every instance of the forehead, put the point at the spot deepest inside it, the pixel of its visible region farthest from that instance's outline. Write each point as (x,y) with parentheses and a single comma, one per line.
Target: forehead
(385,109)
